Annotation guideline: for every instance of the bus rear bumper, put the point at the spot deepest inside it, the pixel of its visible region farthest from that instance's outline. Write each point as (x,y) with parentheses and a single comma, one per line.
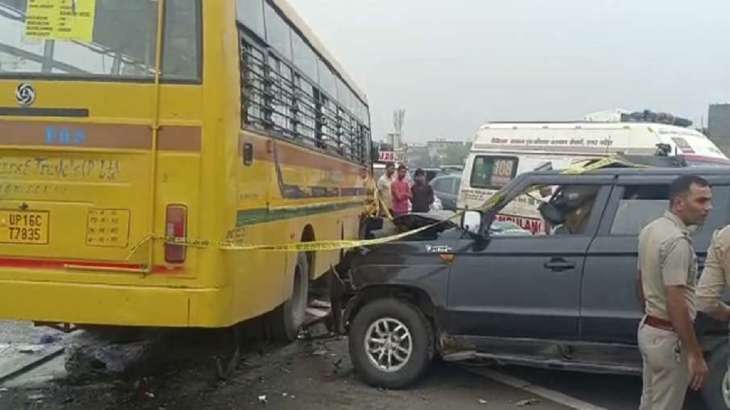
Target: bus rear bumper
(96,304)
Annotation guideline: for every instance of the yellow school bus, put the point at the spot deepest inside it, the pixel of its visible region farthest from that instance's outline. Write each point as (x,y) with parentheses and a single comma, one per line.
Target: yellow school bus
(141,139)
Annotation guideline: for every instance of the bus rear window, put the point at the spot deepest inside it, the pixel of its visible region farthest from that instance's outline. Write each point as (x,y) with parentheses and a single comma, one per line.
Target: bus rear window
(493,172)
(99,39)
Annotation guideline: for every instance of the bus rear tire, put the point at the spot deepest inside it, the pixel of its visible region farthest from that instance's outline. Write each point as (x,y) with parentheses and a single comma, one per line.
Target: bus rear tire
(287,319)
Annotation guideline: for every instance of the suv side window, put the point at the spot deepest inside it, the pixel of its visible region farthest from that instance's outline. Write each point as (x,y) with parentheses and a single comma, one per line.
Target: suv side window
(639,205)
(545,210)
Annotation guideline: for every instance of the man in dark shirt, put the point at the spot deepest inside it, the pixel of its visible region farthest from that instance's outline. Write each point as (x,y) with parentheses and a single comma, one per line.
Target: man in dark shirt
(422,193)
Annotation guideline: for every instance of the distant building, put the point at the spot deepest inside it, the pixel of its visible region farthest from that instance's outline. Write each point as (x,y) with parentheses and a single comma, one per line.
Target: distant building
(719,126)
(395,140)
(439,148)
(418,156)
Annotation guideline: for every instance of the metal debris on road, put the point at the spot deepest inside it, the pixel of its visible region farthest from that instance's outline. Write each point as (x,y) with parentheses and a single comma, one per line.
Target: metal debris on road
(528,402)
(29,349)
(48,339)
(482,401)
(262,399)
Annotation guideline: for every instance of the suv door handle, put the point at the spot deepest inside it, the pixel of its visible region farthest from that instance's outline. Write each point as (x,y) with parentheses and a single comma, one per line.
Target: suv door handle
(559,265)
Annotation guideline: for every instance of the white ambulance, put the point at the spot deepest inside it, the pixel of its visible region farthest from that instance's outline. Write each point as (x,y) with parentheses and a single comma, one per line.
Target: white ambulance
(500,151)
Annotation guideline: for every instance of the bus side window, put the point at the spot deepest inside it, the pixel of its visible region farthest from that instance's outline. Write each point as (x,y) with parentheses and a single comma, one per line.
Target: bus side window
(181,60)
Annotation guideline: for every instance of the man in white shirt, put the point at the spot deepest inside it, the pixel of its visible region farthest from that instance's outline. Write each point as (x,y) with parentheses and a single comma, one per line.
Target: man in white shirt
(384,186)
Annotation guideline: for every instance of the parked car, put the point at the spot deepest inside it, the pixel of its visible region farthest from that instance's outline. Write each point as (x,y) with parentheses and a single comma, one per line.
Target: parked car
(564,298)
(446,188)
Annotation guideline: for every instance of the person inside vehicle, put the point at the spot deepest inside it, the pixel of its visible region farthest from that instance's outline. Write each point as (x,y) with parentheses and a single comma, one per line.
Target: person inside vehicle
(568,211)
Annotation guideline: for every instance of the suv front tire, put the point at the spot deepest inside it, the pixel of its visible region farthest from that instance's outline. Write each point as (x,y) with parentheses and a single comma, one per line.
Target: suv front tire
(391,343)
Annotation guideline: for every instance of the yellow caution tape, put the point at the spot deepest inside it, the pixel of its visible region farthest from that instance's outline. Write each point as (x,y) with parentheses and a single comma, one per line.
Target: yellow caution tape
(229,245)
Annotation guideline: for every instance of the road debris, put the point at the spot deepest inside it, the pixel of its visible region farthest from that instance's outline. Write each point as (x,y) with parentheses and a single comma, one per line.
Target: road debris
(528,402)
(262,399)
(482,401)
(93,356)
(49,339)
(29,348)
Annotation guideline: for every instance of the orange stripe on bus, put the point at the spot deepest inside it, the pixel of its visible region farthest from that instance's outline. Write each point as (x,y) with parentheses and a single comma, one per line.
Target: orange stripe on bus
(87,135)
(76,134)
(179,138)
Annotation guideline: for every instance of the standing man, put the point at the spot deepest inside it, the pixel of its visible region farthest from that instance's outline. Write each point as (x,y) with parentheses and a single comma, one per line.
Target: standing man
(400,191)
(421,192)
(715,277)
(384,183)
(372,205)
(673,358)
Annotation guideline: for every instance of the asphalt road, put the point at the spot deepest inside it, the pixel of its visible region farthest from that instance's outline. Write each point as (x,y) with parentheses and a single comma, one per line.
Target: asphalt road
(307,375)
(610,392)
(304,375)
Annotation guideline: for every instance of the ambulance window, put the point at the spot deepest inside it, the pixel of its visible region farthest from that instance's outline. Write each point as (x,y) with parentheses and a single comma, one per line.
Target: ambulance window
(639,205)
(493,172)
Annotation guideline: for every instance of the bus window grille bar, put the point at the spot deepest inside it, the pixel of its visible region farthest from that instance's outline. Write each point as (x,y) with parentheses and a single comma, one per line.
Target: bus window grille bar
(277,98)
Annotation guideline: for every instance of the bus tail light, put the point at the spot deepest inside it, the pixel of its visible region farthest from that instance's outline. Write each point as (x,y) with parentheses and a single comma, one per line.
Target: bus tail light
(175,228)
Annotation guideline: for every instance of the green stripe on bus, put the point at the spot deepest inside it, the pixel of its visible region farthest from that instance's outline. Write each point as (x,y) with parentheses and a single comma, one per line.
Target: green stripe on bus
(258,216)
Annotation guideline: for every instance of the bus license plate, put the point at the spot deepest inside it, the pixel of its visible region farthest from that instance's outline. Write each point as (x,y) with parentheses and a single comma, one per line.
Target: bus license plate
(20,227)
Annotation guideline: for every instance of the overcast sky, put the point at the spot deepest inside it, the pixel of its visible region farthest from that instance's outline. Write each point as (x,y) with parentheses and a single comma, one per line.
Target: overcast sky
(456,64)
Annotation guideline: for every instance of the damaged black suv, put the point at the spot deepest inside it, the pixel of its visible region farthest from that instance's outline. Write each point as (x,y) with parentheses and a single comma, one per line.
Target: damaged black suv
(555,290)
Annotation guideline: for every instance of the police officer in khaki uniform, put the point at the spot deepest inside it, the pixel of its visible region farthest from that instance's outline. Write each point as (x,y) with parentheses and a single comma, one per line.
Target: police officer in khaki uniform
(673,358)
(715,277)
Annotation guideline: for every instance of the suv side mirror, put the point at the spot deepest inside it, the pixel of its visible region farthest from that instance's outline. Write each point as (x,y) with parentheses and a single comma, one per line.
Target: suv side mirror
(471,221)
